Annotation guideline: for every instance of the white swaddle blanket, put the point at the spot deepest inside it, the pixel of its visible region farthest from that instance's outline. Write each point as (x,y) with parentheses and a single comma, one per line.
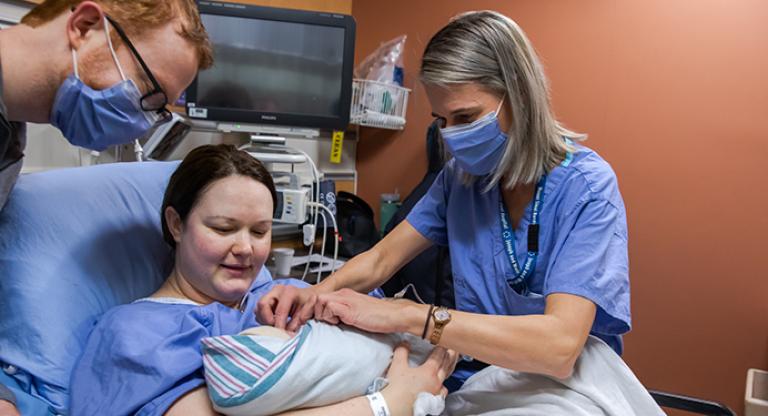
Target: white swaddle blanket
(601,384)
(323,364)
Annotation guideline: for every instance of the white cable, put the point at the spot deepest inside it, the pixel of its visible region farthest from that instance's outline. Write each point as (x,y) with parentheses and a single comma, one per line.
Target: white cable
(402,293)
(316,211)
(335,235)
(322,248)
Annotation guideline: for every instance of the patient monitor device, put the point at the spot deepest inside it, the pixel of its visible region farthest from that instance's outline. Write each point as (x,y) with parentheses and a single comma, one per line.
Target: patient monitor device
(292,205)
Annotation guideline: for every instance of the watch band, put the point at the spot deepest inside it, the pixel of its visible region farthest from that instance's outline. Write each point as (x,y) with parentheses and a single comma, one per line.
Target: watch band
(426,322)
(441,317)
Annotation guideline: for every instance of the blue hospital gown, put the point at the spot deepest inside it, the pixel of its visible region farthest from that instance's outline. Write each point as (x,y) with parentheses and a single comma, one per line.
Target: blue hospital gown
(582,243)
(141,357)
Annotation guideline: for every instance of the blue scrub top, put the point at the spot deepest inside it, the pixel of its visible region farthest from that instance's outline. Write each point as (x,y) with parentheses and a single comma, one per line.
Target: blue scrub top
(582,243)
(141,357)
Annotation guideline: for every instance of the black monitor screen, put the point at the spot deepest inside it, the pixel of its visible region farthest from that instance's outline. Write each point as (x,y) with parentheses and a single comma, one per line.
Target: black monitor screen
(268,69)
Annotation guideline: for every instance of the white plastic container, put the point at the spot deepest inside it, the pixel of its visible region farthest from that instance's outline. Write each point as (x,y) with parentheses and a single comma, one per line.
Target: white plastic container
(756,397)
(378,104)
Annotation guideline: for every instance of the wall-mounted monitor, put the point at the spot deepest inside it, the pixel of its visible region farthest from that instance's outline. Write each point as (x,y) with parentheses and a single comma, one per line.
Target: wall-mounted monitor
(275,66)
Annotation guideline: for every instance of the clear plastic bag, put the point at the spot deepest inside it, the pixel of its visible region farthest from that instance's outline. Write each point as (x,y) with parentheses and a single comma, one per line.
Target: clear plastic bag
(385,64)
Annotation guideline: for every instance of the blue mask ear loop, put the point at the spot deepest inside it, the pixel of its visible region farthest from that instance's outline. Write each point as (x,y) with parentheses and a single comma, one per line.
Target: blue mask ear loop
(74,63)
(501,103)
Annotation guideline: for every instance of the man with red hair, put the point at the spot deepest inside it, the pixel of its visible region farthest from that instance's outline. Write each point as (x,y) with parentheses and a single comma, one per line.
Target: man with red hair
(101,71)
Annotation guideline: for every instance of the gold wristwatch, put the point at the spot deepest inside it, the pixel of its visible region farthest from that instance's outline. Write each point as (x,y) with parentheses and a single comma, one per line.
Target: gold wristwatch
(440,316)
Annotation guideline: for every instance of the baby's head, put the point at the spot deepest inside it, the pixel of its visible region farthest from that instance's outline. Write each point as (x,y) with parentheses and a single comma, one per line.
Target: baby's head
(267,331)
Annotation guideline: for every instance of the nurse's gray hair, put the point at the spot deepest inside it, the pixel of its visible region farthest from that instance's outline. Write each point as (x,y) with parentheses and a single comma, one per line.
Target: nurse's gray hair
(490,49)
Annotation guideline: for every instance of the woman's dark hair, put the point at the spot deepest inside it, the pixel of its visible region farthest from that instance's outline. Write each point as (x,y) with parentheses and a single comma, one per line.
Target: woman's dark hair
(199,169)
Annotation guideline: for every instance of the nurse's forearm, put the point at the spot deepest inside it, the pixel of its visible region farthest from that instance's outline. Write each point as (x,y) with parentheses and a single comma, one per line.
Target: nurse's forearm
(362,273)
(545,344)
(372,268)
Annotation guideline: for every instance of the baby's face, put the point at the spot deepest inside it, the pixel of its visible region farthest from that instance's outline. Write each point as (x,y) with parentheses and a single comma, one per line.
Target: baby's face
(269,331)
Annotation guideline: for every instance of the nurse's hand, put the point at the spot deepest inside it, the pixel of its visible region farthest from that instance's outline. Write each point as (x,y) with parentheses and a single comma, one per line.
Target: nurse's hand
(285,301)
(405,383)
(8,409)
(362,311)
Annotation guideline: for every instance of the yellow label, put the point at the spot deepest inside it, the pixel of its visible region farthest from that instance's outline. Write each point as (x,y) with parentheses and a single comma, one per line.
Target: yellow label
(336,145)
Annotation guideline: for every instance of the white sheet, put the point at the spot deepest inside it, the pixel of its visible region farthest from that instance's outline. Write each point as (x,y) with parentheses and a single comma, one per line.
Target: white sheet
(601,384)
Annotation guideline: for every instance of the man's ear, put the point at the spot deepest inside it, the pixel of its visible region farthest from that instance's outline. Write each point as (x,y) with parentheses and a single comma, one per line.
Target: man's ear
(86,17)
(173,220)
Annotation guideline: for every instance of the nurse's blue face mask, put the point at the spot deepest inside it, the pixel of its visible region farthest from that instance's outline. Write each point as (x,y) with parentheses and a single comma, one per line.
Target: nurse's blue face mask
(97,119)
(477,146)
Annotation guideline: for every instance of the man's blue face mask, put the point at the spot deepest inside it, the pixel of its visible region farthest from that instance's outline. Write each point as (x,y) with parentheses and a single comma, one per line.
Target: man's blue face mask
(98,119)
(477,146)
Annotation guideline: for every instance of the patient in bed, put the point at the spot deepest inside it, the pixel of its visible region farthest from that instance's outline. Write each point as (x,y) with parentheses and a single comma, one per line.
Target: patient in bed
(265,370)
(146,357)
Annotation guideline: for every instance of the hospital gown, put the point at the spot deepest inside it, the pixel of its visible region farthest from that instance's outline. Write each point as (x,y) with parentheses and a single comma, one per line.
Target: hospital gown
(582,244)
(141,357)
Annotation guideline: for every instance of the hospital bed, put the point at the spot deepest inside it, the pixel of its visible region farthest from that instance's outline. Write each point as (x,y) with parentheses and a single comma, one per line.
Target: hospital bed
(76,242)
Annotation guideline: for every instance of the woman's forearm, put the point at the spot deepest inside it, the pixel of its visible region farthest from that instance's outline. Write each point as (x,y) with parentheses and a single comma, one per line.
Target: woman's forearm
(548,343)
(358,406)
(352,407)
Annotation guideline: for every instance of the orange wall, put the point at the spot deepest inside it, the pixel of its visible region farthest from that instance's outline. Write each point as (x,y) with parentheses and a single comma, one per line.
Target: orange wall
(674,94)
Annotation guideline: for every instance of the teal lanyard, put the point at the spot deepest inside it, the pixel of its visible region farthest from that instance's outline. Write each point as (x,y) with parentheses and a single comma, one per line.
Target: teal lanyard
(517,281)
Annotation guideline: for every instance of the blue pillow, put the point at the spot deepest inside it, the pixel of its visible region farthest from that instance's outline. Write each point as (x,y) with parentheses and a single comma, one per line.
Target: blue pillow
(74,243)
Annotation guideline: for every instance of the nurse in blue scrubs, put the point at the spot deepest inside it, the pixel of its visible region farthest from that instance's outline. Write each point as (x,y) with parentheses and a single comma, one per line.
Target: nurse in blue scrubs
(534,220)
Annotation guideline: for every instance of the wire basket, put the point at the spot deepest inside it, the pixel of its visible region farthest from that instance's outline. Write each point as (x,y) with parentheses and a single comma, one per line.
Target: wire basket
(378,104)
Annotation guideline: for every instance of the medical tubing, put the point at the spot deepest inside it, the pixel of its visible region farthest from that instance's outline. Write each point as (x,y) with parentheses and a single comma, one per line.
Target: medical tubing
(404,290)
(335,237)
(322,248)
(317,199)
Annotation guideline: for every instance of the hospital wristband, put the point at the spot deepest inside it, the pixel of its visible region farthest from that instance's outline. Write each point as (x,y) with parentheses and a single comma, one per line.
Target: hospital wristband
(378,404)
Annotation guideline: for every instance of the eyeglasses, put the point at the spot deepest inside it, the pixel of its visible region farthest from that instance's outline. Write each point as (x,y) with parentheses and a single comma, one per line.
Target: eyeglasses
(155,100)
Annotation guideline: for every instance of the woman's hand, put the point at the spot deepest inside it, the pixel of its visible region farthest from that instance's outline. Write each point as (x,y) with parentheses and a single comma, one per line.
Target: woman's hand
(405,383)
(285,301)
(362,311)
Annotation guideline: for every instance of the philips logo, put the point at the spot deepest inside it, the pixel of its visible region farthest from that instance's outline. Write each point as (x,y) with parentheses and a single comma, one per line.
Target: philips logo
(272,118)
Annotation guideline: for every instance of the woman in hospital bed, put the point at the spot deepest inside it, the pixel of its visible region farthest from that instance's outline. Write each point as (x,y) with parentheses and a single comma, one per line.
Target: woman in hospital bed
(146,357)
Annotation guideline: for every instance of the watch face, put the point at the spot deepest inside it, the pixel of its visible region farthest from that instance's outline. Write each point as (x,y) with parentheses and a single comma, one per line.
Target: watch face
(442,315)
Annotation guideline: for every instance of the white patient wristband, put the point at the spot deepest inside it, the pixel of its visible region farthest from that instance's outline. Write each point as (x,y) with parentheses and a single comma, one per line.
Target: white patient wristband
(378,404)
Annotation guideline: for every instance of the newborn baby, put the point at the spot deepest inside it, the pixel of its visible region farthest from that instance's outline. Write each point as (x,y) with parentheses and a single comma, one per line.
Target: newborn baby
(265,370)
